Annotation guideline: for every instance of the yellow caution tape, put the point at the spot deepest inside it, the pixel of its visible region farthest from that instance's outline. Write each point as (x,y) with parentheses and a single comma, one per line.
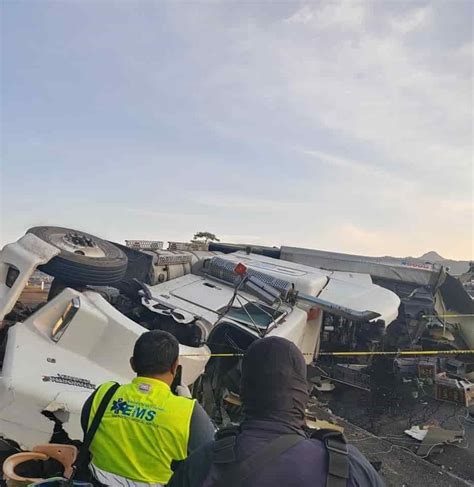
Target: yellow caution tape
(349,354)
(402,352)
(446,316)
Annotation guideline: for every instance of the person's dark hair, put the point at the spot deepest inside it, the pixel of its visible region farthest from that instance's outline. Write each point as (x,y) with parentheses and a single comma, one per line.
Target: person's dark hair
(155,352)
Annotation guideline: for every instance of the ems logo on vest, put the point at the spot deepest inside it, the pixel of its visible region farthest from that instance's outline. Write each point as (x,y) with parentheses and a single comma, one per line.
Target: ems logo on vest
(135,411)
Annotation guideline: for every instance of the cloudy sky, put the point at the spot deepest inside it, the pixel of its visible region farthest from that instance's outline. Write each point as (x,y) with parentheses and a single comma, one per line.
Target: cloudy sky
(332,125)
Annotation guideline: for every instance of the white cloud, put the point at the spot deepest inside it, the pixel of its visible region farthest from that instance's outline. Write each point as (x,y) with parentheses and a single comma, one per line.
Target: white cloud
(302,16)
(367,241)
(243,239)
(329,14)
(243,202)
(379,94)
(370,87)
(363,168)
(412,20)
(458,207)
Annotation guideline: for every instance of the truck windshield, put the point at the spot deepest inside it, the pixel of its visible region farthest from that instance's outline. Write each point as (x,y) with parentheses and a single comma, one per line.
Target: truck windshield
(253,314)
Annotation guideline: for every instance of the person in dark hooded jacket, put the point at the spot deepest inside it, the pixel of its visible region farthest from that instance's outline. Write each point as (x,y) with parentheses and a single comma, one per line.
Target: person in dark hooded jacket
(274,392)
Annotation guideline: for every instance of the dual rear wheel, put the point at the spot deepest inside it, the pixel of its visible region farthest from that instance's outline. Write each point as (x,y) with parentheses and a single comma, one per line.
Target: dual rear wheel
(84,258)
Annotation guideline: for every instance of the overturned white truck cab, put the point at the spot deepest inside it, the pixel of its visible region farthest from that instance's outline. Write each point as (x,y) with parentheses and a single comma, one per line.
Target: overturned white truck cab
(84,335)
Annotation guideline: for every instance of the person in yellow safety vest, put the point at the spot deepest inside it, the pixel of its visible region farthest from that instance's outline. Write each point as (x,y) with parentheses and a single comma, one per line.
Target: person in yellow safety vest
(145,426)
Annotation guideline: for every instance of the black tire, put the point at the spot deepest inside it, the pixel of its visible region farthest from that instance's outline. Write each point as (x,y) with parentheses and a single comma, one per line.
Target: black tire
(74,268)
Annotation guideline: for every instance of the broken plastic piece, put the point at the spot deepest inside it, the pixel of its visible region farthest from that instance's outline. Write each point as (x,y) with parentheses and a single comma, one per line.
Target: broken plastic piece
(417,433)
(64,454)
(325,386)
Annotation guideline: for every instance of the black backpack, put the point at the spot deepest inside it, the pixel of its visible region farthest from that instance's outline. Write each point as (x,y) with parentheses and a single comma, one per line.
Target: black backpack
(236,473)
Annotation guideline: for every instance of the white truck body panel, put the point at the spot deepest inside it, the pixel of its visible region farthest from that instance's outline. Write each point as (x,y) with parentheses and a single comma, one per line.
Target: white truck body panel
(24,255)
(355,294)
(40,374)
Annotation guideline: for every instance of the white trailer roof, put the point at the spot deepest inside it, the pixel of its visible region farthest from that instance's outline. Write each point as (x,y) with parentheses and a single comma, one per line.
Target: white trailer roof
(424,274)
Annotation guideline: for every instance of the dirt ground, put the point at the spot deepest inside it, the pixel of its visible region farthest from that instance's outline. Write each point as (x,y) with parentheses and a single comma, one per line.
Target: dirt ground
(378,433)
(33,295)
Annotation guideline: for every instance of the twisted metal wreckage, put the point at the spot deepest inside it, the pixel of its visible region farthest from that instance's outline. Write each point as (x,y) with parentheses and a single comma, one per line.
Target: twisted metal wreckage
(215,301)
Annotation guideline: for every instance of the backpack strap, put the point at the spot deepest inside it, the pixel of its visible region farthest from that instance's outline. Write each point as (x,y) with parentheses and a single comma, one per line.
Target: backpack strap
(224,444)
(338,463)
(236,474)
(83,455)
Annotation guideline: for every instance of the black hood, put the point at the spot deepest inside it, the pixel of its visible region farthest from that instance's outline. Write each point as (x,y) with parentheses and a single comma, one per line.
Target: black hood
(274,385)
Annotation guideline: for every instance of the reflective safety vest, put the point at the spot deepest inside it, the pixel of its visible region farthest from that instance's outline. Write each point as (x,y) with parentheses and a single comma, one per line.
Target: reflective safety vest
(144,428)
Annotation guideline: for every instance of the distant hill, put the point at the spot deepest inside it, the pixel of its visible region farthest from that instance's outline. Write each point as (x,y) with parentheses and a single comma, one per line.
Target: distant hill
(432,256)
(456,267)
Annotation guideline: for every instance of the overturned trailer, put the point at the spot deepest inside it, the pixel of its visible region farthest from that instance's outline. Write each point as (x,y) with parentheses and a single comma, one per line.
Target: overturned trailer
(105,296)
(430,297)
(435,313)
